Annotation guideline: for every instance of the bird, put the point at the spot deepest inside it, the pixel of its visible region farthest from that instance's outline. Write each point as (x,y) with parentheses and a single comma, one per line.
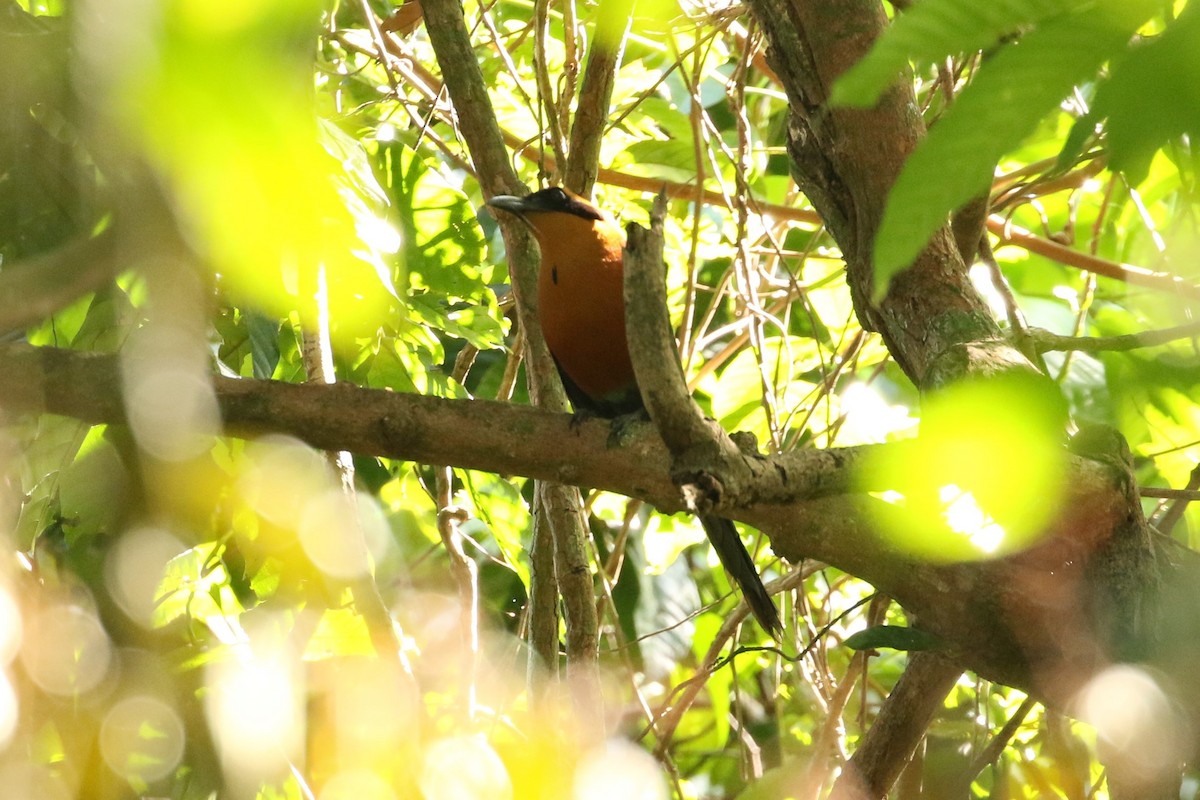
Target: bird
(581,308)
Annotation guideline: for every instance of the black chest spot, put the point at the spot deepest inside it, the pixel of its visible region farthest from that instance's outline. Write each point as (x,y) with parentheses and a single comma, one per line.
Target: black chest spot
(554,275)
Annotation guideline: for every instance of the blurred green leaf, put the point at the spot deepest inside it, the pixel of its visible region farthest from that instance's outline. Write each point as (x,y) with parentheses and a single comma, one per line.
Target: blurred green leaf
(1151,96)
(893,637)
(932,30)
(1002,105)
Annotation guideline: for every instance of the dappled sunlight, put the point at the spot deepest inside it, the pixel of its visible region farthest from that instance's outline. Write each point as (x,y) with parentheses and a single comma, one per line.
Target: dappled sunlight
(259,189)
(135,570)
(1137,725)
(66,650)
(962,490)
(870,418)
(230,228)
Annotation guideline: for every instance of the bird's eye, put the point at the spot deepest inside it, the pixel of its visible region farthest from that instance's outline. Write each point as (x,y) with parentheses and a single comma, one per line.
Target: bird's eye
(559,194)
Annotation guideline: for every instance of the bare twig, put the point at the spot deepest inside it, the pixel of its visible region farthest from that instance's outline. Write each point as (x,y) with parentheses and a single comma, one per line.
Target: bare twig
(1190,495)
(1044,340)
(651,345)
(1174,511)
(1137,276)
(995,747)
(902,722)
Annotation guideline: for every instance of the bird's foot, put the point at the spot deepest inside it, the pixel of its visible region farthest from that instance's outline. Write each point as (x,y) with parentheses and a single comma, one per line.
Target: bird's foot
(623,428)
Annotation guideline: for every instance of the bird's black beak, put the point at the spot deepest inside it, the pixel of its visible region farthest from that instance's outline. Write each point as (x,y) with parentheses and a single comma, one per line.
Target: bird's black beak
(510,203)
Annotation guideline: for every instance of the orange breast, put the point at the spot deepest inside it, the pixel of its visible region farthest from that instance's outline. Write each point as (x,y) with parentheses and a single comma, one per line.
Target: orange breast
(581,301)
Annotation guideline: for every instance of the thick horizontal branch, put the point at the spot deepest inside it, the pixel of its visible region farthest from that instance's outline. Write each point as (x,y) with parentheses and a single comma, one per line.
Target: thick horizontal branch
(1002,618)
(485,435)
(991,611)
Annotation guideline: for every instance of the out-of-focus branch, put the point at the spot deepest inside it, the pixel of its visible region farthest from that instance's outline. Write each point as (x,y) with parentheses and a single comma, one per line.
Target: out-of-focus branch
(902,721)
(34,289)
(595,94)
(1010,234)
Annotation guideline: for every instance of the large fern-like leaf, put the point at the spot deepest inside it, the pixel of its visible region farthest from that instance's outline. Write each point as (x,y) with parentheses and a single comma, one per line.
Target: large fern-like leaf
(997,110)
(1153,96)
(933,30)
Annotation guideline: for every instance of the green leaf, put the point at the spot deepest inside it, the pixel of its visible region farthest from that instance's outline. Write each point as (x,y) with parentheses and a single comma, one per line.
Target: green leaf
(893,637)
(1144,105)
(264,344)
(1001,106)
(933,30)
(673,159)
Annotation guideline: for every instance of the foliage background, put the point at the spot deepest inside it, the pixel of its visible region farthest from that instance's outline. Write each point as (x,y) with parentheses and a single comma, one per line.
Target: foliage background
(181,619)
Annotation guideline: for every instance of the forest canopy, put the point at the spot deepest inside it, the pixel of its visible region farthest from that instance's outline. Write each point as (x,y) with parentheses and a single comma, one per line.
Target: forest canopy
(296,506)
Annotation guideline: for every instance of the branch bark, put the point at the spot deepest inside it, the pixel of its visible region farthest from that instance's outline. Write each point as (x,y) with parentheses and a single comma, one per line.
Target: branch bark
(591,114)
(845,161)
(900,726)
(464,81)
(1002,618)
(35,289)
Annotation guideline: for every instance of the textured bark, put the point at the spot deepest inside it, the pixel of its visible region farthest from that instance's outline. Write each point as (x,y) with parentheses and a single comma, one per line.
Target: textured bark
(846,160)
(1006,619)
(1036,619)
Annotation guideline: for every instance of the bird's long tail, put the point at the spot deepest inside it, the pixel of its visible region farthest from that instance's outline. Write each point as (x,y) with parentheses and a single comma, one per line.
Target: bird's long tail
(738,564)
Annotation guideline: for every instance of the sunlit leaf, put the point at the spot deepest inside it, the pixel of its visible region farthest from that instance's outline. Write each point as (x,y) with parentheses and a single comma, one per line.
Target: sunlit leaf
(1143,109)
(933,30)
(254,184)
(1002,105)
(966,490)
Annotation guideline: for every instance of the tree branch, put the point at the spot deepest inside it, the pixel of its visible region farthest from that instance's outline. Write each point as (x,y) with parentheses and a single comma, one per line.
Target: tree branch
(902,720)
(468,92)
(1003,617)
(651,345)
(486,435)
(1011,234)
(845,161)
(1043,340)
(595,94)
(32,290)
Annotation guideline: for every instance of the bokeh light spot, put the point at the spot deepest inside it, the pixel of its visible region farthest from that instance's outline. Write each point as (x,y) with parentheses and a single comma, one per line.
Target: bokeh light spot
(1135,722)
(10,627)
(66,652)
(982,479)
(135,570)
(255,709)
(10,707)
(464,768)
(142,739)
(357,785)
(619,770)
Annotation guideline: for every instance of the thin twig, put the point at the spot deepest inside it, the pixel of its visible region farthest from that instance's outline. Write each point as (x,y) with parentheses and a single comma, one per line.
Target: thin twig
(1174,511)
(1044,340)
